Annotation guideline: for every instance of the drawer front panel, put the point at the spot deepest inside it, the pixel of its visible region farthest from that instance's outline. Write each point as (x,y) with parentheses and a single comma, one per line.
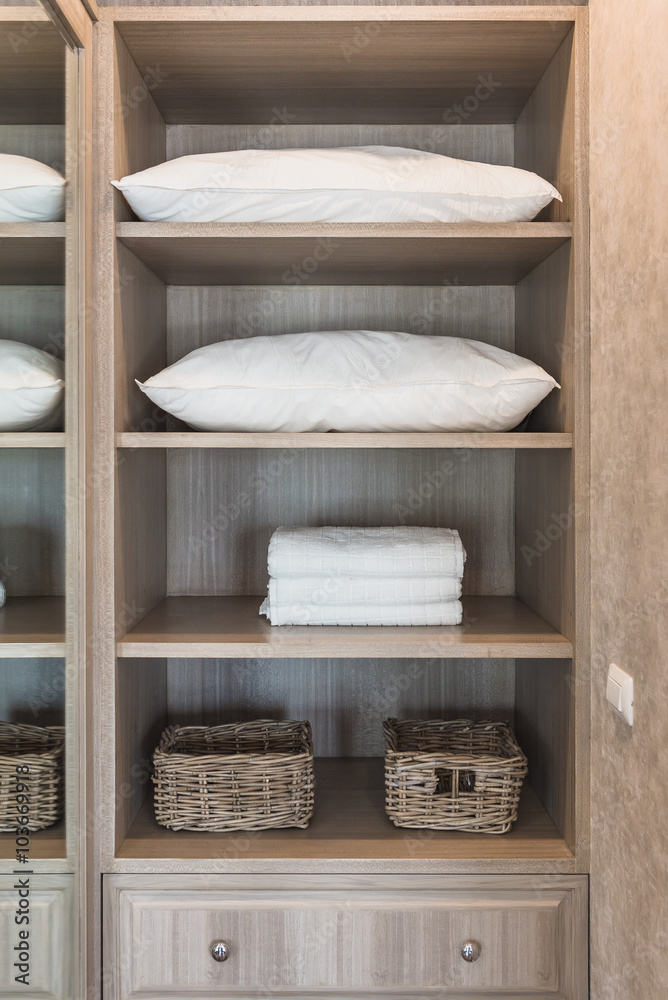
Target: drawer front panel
(340,943)
(36,930)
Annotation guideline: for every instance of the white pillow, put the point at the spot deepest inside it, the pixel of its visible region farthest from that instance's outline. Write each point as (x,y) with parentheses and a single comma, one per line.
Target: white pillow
(31,388)
(350,380)
(350,184)
(30,191)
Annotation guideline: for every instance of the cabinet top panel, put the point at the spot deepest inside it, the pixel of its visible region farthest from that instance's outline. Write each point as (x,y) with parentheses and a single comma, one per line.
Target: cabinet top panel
(422,68)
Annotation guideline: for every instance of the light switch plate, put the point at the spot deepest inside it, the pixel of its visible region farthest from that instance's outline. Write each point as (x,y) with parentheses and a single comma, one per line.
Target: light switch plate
(619,692)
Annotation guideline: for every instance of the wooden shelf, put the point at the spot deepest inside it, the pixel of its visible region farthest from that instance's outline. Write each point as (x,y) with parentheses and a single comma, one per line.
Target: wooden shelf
(32,627)
(213,253)
(422,64)
(29,439)
(493,627)
(350,824)
(32,253)
(194,439)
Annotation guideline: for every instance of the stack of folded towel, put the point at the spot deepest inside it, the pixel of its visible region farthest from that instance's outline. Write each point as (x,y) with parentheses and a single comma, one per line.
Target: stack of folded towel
(365,576)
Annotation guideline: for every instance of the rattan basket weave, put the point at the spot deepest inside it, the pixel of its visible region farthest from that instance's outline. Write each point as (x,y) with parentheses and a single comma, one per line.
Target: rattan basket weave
(459,775)
(41,752)
(252,776)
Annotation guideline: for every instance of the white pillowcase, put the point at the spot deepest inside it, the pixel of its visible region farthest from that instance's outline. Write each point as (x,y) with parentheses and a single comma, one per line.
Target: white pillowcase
(30,191)
(350,380)
(349,184)
(31,388)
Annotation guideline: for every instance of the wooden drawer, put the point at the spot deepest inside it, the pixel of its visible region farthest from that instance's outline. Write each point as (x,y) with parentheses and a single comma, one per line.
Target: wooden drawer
(48,931)
(383,937)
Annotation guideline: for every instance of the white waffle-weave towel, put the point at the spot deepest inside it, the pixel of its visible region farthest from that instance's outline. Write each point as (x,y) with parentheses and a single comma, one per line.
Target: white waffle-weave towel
(329,590)
(420,613)
(400,551)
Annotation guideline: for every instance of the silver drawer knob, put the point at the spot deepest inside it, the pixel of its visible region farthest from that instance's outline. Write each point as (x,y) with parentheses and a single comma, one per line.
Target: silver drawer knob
(220,951)
(471,951)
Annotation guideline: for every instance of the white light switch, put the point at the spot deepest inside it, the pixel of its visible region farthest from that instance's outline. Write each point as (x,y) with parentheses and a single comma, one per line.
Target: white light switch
(619,692)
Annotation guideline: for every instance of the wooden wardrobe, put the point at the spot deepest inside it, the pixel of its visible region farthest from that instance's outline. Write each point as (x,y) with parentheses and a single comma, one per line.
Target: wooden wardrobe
(171,565)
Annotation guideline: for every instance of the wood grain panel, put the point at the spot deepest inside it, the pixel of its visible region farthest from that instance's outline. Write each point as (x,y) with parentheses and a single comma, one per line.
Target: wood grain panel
(32,253)
(349,823)
(32,691)
(32,529)
(461,253)
(224,506)
(414,71)
(344,700)
(32,439)
(35,315)
(492,628)
(45,143)
(545,133)
(32,72)
(487,143)
(32,626)
(211,439)
(140,716)
(206,315)
(140,348)
(140,559)
(545,515)
(138,129)
(547,332)
(545,728)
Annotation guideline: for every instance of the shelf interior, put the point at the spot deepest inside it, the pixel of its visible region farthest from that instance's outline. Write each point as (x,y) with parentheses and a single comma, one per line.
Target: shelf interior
(32,253)
(33,622)
(342,253)
(414,70)
(350,823)
(32,69)
(45,845)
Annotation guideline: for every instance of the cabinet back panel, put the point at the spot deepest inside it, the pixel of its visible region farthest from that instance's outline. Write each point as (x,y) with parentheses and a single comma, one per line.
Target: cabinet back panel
(223,508)
(488,143)
(204,315)
(32,526)
(32,691)
(35,315)
(45,143)
(344,700)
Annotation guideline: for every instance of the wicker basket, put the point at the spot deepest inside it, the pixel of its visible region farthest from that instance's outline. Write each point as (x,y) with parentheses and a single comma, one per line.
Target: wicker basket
(459,775)
(41,752)
(252,776)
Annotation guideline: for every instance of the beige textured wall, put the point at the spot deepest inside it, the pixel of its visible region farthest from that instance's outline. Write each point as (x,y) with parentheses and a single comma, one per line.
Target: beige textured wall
(629,216)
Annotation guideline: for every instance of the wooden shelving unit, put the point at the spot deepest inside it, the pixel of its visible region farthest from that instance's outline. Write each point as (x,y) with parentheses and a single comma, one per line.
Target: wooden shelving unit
(182,519)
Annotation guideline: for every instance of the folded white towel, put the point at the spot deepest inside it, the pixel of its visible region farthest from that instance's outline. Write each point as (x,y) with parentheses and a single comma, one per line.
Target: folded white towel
(421,613)
(335,590)
(366,552)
